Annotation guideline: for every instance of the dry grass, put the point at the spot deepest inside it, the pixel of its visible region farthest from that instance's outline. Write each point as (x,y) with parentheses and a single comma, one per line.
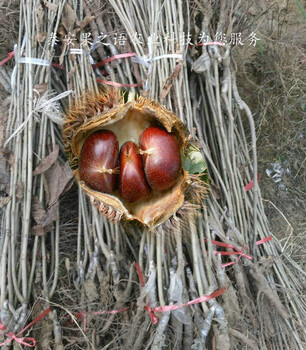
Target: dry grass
(274,72)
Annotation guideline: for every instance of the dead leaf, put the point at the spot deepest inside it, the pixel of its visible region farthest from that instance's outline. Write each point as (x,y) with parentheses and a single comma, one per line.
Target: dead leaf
(19,191)
(58,177)
(43,218)
(215,225)
(86,21)
(51,6)
(40,89)
(47,162)
(4,174)
(62,33)
(38,212)
(11,159)
(68,187)
(40,230)
(46,188)
(69,18)
(4,201)
(90,290)
(169,81)
(39,16)
(62,56)
(72,71)
(40,37)
(2,129)
(216,192)
(39,21)
(67,175)
(53,178)
(51,214)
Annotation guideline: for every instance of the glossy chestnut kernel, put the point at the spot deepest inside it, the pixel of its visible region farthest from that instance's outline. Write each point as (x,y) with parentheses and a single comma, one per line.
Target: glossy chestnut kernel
(98,163)
(161,157)
(133,185)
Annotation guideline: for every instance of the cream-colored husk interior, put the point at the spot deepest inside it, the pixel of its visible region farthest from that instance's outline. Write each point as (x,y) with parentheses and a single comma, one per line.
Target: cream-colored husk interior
(128,122)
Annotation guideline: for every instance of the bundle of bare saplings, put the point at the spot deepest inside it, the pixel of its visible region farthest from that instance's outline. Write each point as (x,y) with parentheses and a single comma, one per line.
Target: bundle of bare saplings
(131,216)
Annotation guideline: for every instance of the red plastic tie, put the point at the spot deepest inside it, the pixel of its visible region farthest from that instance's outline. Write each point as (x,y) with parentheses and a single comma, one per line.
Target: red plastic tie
(58,66)
(267,239)
(139,273)
(198,300)
(9,56)
(154,318)
(113,58)
(27,341)
(237,251)
(251,184)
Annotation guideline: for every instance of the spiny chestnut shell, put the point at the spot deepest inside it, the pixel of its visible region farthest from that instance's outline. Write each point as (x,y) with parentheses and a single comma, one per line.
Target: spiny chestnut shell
(99,153)
(162,163)
(133,185)
(127,120)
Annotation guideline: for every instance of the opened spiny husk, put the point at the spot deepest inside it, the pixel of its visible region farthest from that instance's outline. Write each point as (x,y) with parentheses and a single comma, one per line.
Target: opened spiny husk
(108,110)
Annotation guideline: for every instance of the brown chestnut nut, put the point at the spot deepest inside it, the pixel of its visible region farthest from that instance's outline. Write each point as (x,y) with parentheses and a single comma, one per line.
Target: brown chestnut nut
(161,157)
(133,185)
(98,163)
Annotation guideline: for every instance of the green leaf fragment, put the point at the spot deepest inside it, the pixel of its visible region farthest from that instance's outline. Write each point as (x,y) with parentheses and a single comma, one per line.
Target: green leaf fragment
(193,160)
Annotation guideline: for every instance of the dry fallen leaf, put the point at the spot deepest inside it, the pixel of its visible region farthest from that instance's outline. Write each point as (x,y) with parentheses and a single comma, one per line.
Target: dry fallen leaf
(216,192)
(64,43)
(4,201)
(19,191)
(65,179)
(58,177)
(4,174)
(2,129)
(69,18)
(90,290)
(51,6)
(39,19)
(40,230)
(39,16)
(51,214)
(72,71)
(86,21)
(46,188)
(38,212)
(61,58)
(40,89)
(43,218)
(53,177)
(11,159)
(169,81)
(40,37)
(67,29)
(47,162)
